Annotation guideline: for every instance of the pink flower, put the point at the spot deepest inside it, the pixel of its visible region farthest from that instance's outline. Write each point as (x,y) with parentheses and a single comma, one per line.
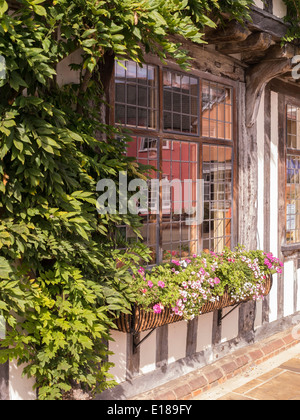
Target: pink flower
(217,280)
(144,291)
(158,308)
(150,284)
(161,284)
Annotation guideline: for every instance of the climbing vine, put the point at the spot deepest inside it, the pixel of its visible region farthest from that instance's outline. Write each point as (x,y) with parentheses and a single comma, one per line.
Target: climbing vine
(293,19)
(62,276)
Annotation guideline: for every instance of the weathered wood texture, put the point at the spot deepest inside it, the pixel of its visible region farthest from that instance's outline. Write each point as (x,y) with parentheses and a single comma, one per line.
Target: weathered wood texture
(264,21)
(276,63)
(213,62)
(233,31)
(258,41)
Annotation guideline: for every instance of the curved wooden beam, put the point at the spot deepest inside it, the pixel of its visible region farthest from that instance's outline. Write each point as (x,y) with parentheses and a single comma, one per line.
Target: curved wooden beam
(277,62)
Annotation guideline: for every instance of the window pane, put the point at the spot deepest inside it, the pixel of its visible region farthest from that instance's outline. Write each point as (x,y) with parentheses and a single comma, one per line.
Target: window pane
(293,127)
(217,105)
(180,174)
(217,175)
(293,199)
(136,89)
(145,150)
(181,103)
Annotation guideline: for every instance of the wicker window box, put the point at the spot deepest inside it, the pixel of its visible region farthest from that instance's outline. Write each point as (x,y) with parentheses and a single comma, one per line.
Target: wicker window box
(141,320)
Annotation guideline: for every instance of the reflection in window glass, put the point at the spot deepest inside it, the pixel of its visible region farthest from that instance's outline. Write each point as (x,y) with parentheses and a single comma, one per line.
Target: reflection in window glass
(293,127)
(146,152)
(181,110)
(179,163)
(293,176)
(136,103)
(216,111)
(293,199)
(218,177)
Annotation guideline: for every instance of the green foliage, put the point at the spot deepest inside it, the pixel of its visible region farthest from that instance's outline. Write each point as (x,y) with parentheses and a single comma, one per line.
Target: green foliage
(62,278)
(293,19)
(60,284)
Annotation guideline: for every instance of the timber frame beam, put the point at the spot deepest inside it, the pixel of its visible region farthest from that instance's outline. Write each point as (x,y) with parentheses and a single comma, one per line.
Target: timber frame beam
(276,63)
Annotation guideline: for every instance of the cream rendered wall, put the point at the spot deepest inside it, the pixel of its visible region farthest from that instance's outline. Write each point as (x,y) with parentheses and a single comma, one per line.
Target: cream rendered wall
(20,388)
(177,341)
(204,334)
(148,353)
(260,155)
(279,8)
(64,74)
(230,325)
(259,3)
(274,200)
(260,127)
(119,348)
(298,290)
(288,288)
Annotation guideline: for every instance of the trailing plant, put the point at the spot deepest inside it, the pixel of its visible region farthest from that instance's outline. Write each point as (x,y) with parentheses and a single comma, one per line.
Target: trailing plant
(187,285)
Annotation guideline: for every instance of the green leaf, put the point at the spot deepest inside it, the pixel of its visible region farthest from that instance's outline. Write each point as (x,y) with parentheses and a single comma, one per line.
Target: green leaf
(40,10)
(3,7)
(5,268)
(16,81)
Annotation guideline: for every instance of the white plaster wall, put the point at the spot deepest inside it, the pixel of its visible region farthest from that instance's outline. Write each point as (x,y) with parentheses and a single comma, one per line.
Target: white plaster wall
(119,348)
(20,388)
(64,74)
(260,153)
(279,8)
(259,3)
(148,353)
(261,191)
(274,200)
(230,325)
(288,288)
(298,289)
(177,341)
(204,333)
(258,319)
